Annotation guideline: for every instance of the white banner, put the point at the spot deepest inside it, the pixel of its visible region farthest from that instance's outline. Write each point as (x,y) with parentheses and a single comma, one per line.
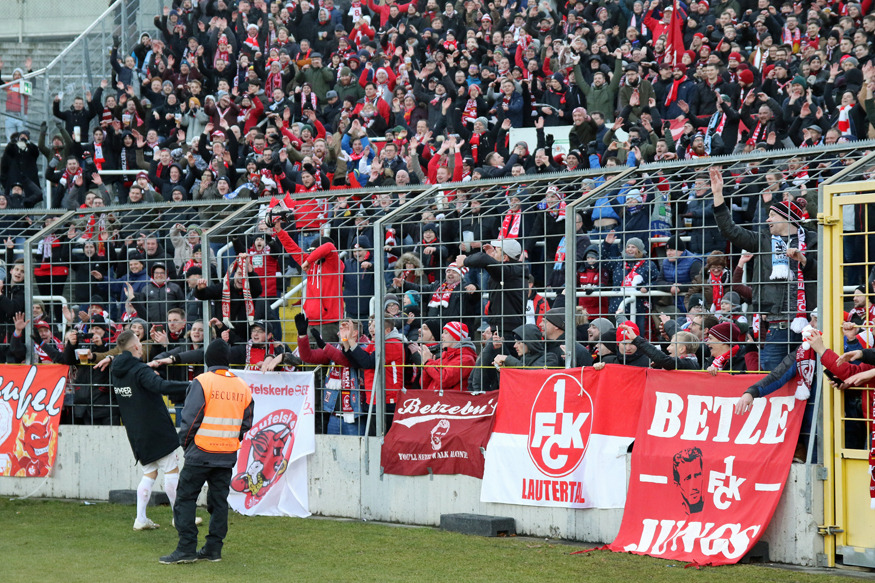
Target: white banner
(560,438)
(270,478)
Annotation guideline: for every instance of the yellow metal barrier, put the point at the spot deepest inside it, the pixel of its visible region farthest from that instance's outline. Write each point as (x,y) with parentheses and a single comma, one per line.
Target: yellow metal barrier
(849,524)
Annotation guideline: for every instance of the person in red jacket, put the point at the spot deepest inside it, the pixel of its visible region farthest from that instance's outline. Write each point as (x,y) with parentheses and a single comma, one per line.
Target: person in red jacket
(383,9)
(363,357)
(451,369)
(324,300)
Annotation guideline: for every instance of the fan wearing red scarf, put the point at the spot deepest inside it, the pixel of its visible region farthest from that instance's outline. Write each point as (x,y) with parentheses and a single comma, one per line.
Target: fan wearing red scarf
(449,370)
(46,347)
(632,271)
(726,343)
(236,293)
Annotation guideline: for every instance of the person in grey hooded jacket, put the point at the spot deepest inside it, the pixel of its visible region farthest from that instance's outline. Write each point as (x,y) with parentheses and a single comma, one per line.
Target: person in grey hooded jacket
(529,345)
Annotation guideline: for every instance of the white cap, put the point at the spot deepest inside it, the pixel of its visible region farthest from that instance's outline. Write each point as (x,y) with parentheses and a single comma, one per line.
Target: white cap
(510,247)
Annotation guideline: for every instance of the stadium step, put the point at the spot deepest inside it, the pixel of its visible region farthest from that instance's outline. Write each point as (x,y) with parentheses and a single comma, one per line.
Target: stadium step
(479,524)
(41,52)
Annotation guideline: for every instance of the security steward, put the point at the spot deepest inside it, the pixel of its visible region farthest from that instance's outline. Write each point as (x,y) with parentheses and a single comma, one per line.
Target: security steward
(217,414)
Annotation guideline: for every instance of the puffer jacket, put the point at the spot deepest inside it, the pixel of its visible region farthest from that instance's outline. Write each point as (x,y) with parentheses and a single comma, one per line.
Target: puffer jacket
(450,372)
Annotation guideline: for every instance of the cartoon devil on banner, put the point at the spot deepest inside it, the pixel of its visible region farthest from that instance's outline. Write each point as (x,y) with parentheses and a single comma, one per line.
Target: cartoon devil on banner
(30,409)
(270,477)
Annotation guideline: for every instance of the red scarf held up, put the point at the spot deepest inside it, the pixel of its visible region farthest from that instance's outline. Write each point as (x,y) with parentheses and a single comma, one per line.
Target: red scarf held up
(510,225)
(441,296)
(226,295)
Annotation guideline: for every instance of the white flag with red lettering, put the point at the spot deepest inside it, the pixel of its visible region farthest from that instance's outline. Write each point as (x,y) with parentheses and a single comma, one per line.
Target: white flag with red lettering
(560,437)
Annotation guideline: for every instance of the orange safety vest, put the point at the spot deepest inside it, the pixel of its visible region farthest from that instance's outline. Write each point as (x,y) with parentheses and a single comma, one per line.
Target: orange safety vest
(226,398)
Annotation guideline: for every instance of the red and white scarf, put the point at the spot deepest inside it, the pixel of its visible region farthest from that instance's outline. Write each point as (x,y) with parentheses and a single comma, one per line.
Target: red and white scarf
(793,37)
(99,160)
(721,361)
(312,104)
(469,115)
(273,82)
(558,211)
(759,133)
(67,178)
(340,379)
(510,225)
(252,42)
(256,354)
(226,295)
(806,360)
(441,296)
(801,320)
(844,123)
(630,279)
(42,354)
(717,290)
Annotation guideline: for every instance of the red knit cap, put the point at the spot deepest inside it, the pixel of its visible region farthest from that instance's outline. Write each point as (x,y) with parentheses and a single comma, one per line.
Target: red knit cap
(457,330)
(726,333)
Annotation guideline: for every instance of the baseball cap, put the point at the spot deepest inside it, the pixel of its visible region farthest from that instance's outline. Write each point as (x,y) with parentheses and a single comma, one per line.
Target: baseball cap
(510,247)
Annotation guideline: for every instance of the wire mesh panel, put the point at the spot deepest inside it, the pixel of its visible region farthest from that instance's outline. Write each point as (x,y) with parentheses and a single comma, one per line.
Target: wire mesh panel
(440,287)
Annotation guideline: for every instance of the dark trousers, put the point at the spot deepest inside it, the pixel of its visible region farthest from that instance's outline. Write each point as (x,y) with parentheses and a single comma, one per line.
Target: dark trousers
(191,480)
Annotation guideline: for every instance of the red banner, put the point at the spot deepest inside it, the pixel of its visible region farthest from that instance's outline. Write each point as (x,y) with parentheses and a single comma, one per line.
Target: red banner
(441,433)
(705,482)
(560,437)
(31,398)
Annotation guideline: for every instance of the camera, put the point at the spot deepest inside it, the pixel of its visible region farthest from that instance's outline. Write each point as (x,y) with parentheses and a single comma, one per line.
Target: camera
(281,216)
(635,142)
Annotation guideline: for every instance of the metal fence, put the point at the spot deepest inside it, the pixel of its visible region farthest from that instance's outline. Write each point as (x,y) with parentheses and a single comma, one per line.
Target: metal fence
(521,246)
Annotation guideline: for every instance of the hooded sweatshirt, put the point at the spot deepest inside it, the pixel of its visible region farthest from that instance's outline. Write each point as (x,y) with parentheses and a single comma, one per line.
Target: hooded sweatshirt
(139,393)
(535,357)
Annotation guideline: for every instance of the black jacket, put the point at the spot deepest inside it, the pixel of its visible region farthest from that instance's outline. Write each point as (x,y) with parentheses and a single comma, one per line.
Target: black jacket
(660,359)
(507,291)
(138,393)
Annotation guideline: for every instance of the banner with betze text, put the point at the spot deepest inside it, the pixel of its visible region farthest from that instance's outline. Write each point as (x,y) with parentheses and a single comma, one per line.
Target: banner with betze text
(705,482)
(270,478)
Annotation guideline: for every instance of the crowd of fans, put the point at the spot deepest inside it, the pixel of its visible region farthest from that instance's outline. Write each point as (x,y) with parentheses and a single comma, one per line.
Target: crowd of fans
(313,104)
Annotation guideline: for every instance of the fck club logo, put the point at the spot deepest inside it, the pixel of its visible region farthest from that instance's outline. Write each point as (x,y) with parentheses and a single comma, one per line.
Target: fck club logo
(560,426)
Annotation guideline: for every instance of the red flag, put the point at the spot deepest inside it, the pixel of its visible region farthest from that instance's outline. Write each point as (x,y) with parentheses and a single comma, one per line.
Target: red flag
(441,434)
(675,45)
(704,482)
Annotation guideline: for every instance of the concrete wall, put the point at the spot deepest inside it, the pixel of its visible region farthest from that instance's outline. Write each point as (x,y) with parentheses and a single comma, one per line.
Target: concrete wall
(36,18)
(345,481)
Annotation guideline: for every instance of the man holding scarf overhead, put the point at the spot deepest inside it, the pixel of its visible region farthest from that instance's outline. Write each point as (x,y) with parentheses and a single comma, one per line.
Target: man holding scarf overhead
(236,293)
(783,272)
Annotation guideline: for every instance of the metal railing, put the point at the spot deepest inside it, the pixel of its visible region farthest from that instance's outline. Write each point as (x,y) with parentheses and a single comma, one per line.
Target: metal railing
(449,206)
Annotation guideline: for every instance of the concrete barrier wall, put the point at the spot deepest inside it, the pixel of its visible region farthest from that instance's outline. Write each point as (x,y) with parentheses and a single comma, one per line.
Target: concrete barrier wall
(345,480)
